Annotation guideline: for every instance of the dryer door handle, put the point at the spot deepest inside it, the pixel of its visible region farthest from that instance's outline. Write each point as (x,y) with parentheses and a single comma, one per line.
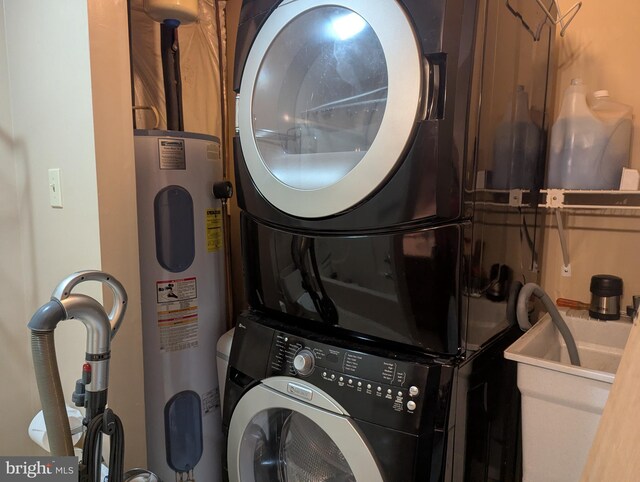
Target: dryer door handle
(435,75)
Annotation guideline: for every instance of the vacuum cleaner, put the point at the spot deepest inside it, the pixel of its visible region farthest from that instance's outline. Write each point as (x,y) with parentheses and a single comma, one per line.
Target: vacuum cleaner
(91,389)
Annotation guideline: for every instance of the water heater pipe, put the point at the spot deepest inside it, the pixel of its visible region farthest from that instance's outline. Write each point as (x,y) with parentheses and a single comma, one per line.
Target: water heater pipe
(170,51)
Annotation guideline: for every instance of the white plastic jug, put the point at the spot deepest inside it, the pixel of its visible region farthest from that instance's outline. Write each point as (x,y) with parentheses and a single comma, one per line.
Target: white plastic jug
(589,146)
(516,146)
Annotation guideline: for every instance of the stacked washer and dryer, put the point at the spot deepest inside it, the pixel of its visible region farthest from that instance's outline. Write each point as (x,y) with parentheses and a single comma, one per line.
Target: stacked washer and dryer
(380,267)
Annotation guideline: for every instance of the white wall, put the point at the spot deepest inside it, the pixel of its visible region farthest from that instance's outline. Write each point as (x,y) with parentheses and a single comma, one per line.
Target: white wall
(50,99)
(15,360)
(46,72)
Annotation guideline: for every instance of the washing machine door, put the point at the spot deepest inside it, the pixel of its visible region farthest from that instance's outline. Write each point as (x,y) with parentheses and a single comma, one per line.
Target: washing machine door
(286,430)
(329,98)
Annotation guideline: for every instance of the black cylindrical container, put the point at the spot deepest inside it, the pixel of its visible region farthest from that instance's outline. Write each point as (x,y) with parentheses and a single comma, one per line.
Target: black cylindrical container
(606,291)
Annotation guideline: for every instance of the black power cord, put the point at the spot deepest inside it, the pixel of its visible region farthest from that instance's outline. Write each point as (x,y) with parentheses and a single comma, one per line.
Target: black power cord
(109,424)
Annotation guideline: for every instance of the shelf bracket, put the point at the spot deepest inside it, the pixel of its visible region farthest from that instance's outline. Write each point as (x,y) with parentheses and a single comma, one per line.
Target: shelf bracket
(555,198)
(515,198)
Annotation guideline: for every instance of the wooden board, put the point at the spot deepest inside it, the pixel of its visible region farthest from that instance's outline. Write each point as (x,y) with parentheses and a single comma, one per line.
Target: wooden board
(614,455)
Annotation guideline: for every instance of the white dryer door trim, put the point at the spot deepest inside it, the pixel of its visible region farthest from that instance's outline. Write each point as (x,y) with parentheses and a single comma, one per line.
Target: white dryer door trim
(406,83)
(339,428)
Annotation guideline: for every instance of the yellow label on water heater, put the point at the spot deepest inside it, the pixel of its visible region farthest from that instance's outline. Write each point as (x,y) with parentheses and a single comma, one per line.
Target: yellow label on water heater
(214,230)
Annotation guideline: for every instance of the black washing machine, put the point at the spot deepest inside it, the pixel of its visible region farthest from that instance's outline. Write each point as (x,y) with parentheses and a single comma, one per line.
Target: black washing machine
(300,406)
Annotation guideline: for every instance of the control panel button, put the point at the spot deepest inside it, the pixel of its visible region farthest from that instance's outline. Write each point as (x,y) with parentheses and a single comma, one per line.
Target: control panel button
(333,377)
(379,389)
(360,384)
(350,381)
(324,374)
(411,405)
(399,394)
(369,386)
(304,362)
(341,379)
(413,391)
(389,391)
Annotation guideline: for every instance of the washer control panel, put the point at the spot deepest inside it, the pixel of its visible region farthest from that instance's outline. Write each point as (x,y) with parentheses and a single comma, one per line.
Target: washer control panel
(368,386)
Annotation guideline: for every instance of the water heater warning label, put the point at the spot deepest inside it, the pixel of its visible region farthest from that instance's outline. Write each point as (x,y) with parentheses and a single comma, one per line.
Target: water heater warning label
(179,333)
(171,154)
(176,290)
(214,230)
(177,310)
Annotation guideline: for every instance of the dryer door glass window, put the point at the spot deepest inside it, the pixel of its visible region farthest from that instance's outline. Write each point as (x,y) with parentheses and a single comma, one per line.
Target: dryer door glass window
(319,97)
(284,445)
(330,96)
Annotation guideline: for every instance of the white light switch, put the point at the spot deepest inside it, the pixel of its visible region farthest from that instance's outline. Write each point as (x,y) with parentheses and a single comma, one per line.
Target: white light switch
(55,188)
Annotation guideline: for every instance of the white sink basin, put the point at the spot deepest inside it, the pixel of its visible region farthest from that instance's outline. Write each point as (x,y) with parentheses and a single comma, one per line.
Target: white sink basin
(600,346)
(562,403)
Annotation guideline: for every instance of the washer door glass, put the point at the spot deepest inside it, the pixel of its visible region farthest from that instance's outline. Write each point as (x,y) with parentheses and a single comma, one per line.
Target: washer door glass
(329,99)
(277,444)
(274,437)
(319,98)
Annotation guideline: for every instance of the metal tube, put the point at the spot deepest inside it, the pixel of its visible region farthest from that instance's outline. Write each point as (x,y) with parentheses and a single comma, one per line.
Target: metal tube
(116,315)
(92,315)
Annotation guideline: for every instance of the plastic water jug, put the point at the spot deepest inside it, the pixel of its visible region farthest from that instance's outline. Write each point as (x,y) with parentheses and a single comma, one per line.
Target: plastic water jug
(516,146)
(589,145)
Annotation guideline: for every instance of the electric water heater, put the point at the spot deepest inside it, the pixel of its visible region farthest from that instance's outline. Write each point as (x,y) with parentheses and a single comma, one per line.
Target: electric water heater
(183,300)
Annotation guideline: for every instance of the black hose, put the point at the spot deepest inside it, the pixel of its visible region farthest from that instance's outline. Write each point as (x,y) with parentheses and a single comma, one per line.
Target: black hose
(301,248)
(110,424)
(170,52)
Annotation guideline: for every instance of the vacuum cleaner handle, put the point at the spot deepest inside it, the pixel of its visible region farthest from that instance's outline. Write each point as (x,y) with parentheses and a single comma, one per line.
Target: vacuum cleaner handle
(63,291)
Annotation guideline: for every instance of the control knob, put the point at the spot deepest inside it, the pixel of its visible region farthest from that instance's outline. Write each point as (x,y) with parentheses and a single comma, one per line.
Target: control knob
(304,362)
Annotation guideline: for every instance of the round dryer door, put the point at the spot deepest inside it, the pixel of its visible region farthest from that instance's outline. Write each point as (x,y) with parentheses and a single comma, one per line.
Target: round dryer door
(329,98)
(273,437)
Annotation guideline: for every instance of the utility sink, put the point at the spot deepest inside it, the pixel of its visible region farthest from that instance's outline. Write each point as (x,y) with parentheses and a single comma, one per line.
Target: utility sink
(562,403)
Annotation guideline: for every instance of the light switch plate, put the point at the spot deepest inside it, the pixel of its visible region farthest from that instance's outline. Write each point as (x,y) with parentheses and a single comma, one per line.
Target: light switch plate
(55,188)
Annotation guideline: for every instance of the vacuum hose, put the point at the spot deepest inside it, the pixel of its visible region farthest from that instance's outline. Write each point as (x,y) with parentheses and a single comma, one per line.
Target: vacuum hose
(50,390)
(523,317)
(48,377)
